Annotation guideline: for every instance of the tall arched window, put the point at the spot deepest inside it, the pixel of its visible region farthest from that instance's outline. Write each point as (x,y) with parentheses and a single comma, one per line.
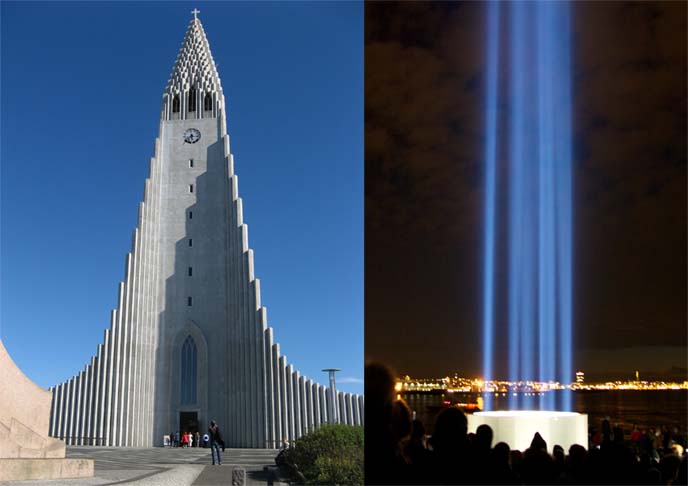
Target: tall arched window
(192,99)
(189,369)
(175,104)
(208,102)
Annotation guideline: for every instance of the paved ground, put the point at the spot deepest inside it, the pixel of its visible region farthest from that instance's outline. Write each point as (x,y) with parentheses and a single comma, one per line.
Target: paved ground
(164,467)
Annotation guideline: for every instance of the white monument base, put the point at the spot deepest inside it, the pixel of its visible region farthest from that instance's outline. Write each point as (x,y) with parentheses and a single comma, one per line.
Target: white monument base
(517,427)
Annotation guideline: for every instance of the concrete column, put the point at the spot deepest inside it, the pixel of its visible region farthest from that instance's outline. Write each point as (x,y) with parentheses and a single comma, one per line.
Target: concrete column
(243,352)
(78,382)
(64,429)
(60,411)
(101,392)
(264,369)
(83,406)
(341,409)
(291,406)
(141,317)
(107,377)
(315,392)
(120,337)
(310,414)
(277,395)
(232,306)
(361,409)
(322,397)
(305,427)
(53,412)
(85,401)
(298,431)
(354,406)
(130,390)
(283,397)
(269,390)
(70,410)
(91,400)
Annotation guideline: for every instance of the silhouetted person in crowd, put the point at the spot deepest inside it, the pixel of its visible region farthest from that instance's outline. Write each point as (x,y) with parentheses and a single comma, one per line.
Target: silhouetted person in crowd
(682,475)
(451,448)
(499,468)
(388,421)
(559,460)
(481,442)
(668,467)
(575,467)
(537,466)
(418,455)
(606,432)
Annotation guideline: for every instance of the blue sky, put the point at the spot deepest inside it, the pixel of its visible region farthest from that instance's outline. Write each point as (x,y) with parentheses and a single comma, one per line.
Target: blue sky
(81,90)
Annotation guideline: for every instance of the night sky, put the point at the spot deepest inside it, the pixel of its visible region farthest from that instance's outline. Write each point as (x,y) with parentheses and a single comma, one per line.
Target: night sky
(424,99)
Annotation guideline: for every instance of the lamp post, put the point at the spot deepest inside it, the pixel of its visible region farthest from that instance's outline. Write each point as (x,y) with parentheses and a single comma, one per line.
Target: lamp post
(332,414)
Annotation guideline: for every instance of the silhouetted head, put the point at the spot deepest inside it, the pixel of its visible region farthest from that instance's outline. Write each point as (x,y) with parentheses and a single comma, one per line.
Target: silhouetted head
(450,429)
(483,437)
(501,453)
(538,443)
(558,453)
(577,454)
(212,423)
(379,385)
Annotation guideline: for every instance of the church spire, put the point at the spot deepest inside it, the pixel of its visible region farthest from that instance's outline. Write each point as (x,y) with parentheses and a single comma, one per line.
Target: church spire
(194,89)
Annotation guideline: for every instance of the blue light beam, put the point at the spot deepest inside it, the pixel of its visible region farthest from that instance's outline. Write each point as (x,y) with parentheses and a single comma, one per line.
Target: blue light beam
(492,73)
(539,199)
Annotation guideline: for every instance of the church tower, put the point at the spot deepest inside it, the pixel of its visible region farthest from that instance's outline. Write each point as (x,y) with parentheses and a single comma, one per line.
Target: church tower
(189,341)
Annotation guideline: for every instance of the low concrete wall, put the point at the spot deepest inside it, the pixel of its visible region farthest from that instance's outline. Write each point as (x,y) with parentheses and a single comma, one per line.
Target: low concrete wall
(22,469)
(26,450)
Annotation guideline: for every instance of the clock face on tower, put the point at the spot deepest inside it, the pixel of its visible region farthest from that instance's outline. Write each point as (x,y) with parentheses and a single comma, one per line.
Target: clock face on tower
(192,135)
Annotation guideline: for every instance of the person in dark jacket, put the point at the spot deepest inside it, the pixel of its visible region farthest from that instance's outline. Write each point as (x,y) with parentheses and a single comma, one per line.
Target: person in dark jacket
(216,442)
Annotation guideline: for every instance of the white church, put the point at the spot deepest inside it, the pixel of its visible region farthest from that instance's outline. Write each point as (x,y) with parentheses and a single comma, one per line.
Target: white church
(189,340)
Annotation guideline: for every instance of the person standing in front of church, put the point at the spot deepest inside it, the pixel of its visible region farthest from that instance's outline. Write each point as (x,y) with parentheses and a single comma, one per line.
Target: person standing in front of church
(215,441)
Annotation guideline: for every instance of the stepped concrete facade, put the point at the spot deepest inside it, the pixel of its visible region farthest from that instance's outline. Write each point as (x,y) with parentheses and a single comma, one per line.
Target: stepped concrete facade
(189,340)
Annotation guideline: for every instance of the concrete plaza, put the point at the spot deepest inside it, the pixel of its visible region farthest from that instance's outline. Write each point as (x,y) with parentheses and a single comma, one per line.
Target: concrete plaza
(163,466)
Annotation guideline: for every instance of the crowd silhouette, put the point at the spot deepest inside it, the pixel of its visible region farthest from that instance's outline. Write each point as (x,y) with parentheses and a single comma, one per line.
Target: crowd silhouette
(397,452)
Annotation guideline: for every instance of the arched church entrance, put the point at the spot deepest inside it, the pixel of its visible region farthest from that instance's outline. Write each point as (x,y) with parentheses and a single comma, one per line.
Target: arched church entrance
(189,380)
(188,419)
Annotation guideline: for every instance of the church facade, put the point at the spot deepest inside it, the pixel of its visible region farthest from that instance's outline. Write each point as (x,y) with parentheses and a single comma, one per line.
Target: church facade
(189,340)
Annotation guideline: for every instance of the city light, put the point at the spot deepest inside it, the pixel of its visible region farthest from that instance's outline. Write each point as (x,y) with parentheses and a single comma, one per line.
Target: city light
(490,388)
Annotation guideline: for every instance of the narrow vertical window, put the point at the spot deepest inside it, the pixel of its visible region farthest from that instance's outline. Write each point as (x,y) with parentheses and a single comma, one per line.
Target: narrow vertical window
(191,188)
(189,372)
(192,99)
(190,242)
(190,214)
(208,102)
(191,163)
(189,301)
(175,104)
(190,271)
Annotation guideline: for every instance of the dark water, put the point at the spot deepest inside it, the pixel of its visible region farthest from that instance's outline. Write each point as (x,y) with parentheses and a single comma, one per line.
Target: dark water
(648,408)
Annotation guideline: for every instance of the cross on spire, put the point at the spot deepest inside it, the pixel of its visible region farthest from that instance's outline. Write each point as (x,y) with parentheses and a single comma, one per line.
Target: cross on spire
(195,12)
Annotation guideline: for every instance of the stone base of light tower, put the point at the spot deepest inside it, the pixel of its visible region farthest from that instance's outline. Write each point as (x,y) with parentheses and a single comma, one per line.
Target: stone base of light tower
(517,427)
